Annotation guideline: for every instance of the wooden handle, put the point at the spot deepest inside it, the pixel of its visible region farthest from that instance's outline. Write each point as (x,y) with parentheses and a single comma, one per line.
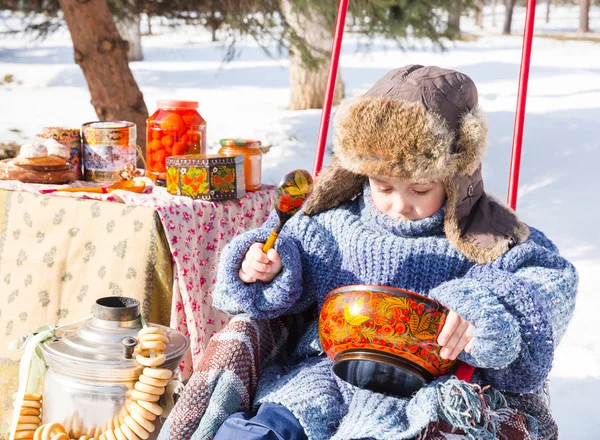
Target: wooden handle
(269,244)
(93,189)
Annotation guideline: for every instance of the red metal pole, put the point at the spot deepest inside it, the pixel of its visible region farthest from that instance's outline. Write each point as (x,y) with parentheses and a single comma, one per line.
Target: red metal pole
(327,101)
(515,159)
(464,371)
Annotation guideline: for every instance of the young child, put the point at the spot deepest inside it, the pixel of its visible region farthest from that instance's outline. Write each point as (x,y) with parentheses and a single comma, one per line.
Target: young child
(403,204)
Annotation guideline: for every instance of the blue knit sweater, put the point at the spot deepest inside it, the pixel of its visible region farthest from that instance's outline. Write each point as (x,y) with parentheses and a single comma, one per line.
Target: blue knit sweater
(520,305)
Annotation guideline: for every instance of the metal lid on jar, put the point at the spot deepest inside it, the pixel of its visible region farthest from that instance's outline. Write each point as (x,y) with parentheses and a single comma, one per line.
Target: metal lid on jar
(237,142)
(170,103)
(101,346)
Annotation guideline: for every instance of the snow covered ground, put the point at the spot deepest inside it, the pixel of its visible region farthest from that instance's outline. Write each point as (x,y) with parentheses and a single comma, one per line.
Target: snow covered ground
(559,185)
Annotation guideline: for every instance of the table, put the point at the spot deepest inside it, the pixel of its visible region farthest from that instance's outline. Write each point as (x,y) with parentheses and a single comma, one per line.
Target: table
(60,252)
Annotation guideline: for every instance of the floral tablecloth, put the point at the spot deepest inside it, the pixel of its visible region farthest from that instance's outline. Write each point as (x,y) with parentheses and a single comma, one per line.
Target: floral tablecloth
(58,255)
(197,231)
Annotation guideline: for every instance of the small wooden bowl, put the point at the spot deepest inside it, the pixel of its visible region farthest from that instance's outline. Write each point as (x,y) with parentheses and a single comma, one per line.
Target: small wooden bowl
(10,171)
(383,338)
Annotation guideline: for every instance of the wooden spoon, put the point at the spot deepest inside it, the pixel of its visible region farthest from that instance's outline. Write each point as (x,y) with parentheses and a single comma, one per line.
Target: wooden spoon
(126,185)
(291,194)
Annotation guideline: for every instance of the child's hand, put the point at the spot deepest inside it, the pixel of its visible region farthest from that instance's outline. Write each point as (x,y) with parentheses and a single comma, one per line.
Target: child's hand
(456,336)
(260,266)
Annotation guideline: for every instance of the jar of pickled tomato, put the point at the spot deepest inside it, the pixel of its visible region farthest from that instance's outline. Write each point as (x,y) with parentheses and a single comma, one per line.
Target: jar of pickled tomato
(252,159)
(176,128)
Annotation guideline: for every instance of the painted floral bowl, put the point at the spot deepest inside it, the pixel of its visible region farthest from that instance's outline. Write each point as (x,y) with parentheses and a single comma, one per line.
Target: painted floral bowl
(383,338)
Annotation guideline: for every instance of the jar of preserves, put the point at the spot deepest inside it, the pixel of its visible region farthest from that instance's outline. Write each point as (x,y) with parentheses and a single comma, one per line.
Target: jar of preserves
(252,159)
(176,128)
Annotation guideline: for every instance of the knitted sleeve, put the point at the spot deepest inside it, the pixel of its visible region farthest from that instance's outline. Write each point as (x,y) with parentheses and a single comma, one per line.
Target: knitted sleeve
(283,295)
(520,305)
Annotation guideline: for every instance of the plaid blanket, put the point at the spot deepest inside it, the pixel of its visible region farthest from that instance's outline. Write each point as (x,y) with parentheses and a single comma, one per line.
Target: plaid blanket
(226,378)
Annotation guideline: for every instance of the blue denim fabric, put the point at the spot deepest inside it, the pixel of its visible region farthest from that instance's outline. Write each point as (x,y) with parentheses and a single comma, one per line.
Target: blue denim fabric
(272,422)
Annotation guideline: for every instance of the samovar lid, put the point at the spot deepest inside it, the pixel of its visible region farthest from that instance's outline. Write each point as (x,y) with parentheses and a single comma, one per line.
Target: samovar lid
(97,347)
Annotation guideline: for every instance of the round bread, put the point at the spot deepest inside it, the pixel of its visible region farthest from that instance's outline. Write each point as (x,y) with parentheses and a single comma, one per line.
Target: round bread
(57,149)
(47,163)
(33,150)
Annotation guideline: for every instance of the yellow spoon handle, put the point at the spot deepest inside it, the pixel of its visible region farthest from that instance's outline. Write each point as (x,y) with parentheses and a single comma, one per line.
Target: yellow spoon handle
(269,244)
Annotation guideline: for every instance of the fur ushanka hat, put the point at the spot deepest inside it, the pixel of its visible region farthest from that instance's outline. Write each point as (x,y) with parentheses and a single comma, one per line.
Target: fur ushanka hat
(422,124)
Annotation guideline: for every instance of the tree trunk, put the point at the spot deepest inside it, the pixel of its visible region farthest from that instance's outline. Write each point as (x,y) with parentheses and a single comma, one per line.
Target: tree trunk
(479,16)
(308,85)
(102,56)
(548,3)
(510,5)
(494,3)
(130,31)
(454,16)
(584,15)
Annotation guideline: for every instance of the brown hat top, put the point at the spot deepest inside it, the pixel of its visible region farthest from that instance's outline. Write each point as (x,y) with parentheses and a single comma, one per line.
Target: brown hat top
(449,93)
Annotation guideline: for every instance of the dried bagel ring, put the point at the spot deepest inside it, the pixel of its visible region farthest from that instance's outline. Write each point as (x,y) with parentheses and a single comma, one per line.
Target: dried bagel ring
(52,428)
(84,437)
(151,362)
(27,427)
(102,437)
(154,338)
(32,404)
(128,432)
(138,395)
(158,373)
(136,408)
(29,412)
(110,434)
(152,381)
(119,434)
(91,431)
(24,435)
(135,427)
(60,436)
(29,396)
(146,424)
(29,419)
(150,406)
(150,330)
(38,433)
(153,345)
(144,388)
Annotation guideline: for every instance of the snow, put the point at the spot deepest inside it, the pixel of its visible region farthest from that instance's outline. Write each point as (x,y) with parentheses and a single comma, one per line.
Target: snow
(247,97)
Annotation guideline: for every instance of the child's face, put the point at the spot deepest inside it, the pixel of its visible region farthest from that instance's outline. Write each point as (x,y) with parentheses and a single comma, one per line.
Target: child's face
(403,200)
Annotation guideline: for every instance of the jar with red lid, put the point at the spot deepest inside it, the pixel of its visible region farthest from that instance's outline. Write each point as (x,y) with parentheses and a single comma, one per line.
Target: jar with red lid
(176,128)
(252,159)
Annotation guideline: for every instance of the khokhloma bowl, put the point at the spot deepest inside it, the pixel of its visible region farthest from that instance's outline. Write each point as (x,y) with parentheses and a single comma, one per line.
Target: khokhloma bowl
(383,338)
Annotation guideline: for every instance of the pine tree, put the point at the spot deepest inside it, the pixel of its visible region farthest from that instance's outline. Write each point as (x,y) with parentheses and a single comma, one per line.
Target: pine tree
(302,27)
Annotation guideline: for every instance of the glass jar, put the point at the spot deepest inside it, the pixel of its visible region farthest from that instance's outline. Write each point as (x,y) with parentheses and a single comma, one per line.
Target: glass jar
(176,128)
(252,159)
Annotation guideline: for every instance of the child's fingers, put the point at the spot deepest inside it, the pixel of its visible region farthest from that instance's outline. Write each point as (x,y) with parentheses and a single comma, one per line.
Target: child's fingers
(245,278)
(452,322)
(251,272)
(257,253)
(469,346)
(455,342)
(258,266)
(454,336)
(463,340)
(275,260)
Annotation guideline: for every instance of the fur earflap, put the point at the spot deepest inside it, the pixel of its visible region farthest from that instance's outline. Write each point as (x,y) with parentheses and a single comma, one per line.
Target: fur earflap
(334,186)
(472,141)
(488,230)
